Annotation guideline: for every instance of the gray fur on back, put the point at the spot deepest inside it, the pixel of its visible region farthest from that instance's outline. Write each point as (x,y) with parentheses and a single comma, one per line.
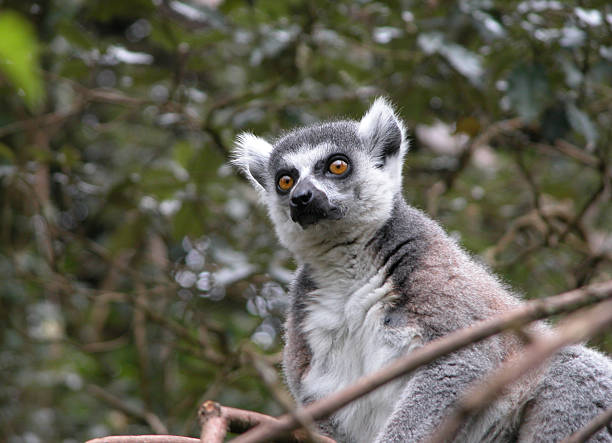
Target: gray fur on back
(378,279)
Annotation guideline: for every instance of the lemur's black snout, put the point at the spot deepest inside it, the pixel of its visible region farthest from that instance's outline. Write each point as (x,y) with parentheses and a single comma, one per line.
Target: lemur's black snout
(309,205)
(302,198)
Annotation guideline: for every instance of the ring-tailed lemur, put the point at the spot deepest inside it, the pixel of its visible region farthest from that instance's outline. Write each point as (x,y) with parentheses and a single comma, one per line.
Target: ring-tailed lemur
(378,278)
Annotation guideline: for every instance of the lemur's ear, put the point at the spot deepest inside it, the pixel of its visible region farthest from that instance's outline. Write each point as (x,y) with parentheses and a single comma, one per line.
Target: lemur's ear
(382,132)
(251,155)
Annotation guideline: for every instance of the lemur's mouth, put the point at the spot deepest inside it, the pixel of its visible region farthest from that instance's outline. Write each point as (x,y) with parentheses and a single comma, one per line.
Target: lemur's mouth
(309,205)
(312,214)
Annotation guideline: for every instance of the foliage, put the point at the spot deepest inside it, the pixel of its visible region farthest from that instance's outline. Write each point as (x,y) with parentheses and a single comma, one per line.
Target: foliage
(140,276)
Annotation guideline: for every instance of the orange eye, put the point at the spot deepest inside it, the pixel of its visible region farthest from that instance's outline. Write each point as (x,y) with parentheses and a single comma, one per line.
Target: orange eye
(338,167)
(285,182)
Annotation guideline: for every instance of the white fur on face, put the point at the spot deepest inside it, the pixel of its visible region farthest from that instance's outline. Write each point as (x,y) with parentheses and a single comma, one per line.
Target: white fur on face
(365,210)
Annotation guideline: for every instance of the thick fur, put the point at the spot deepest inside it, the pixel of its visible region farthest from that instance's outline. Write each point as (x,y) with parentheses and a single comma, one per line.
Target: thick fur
(385,279)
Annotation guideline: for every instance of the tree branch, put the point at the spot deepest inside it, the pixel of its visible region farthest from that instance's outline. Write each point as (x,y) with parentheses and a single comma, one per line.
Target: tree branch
(148,417)
(528,312)
(217,420)
(576,328)
(213,423)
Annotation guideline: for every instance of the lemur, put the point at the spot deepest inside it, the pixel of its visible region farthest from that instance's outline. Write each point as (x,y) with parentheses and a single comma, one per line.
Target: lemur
(377,279)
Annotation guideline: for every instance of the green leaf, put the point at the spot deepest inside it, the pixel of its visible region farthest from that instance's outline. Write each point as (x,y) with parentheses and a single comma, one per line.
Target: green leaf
(528,91)
(19,51)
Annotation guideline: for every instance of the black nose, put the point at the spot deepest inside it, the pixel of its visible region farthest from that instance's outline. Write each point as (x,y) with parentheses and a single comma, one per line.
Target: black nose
(301,197)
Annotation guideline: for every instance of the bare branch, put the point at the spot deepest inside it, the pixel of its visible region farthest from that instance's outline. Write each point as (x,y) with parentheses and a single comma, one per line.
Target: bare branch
(443,185)
(482,139)
(140,340)
(213,423)
(576,328)
(269,376)
(566,148)
(149,417)
(217,420)
(534,220)
(528,312)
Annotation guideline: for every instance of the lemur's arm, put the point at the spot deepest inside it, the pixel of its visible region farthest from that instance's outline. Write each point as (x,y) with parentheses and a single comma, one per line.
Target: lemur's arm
(430,394)
(297,354)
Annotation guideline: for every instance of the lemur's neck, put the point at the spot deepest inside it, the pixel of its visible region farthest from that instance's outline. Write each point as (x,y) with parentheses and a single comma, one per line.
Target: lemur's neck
(358,253)
(405,234)
(348,256)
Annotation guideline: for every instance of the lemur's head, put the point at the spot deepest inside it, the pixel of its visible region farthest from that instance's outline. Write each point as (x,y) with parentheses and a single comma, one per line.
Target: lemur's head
(328,179)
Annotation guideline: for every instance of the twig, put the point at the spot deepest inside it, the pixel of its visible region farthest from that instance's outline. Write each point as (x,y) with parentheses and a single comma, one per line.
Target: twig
(482,139)
(528,312)
(533,186)
(217,420)
(104,346)
(149,417)
(576,328)
(140,341)
(41,121)
(566,148)
(268,375)
(591,428)
(532,219)
(182,332)
(57,117)
(601,189)
(213,423)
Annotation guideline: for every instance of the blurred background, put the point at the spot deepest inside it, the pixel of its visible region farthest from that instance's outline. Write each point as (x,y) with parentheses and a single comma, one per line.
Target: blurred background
(139,276)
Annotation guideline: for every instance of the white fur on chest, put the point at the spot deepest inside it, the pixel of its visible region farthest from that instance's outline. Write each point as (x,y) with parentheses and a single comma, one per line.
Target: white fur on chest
(348,339)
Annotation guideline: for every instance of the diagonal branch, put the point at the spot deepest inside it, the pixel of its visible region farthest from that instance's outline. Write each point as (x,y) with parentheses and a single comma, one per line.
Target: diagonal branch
(147,416)
(574,329)
(528,312)
(217,420)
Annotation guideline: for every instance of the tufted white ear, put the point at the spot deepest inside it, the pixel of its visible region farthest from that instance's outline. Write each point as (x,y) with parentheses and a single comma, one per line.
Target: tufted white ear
(251,155)
(382,132)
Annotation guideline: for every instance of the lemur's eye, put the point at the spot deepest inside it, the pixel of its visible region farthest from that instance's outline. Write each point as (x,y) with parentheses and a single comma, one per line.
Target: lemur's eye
(338,167)
(285,182)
